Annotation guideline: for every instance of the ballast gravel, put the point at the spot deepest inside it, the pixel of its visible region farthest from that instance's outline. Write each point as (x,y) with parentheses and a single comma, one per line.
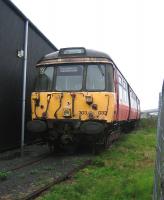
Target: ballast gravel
(19,183)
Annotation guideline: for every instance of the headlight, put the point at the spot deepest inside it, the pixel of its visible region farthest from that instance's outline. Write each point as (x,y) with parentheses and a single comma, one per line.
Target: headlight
(67,112)
(91,115)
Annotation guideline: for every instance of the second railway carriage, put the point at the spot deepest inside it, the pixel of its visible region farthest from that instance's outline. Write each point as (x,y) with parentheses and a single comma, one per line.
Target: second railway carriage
(81,95)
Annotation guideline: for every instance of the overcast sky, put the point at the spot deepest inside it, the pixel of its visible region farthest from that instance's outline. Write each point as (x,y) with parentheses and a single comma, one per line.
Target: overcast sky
(130,31)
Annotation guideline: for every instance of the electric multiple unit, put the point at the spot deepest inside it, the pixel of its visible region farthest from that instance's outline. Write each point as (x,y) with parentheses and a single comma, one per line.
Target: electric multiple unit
(80,95)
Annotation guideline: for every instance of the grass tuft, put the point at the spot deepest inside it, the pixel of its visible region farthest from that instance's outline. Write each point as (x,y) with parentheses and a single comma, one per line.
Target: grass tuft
(4,175)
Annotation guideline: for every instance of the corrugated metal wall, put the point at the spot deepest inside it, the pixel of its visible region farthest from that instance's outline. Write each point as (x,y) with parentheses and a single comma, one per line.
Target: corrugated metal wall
(12,30)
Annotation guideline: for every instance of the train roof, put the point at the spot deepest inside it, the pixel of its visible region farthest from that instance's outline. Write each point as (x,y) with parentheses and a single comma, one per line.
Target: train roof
(78,52)
(75,52)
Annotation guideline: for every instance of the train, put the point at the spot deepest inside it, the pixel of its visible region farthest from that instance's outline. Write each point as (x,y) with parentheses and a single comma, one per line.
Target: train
(81,96)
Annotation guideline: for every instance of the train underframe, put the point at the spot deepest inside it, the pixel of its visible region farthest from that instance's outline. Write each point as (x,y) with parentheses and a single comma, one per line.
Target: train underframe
(69,134)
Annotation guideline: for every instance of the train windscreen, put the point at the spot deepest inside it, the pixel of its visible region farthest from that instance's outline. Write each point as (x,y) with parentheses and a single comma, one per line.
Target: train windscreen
(44,79)
(69,77)
(72,77)
(95,79)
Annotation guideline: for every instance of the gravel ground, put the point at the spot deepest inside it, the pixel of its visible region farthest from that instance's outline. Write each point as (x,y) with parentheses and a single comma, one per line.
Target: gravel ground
(27,179)
(12,158)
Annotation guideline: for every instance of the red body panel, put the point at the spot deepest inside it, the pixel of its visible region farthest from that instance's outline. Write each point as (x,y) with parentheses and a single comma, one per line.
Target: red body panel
(133,114)
(123,112)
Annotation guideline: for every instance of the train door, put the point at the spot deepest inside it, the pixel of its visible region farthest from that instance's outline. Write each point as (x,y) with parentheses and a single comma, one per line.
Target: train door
(117,94)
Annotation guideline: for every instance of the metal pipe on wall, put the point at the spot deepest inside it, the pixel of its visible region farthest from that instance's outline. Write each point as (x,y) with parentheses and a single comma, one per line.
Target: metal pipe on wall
(24,86)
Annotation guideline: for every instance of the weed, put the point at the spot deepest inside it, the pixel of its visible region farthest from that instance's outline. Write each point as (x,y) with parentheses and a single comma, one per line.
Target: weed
(4,175)
(98,162)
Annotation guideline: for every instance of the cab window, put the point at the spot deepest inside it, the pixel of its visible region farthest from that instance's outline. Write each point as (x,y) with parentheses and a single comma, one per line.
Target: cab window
(44,79)
(95,79)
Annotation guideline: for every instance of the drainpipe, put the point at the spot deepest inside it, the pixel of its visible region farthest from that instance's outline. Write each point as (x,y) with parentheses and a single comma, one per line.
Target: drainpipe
(24,86)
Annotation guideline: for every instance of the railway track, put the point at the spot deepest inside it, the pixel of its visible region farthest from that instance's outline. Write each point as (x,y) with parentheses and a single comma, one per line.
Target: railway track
(55,181)
(67,176)
(40,158)
(16,147)
(28,163)
(45,156)
(30,179)
(52,170)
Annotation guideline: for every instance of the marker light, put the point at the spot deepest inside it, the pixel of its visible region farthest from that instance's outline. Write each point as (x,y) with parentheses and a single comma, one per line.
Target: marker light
(94,106)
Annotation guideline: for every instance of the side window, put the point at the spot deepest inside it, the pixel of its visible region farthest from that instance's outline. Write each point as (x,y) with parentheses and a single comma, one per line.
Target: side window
(123,90)
(126,93)
(120,94)
(120,80)
(133,100)
(110,77)
(120,89)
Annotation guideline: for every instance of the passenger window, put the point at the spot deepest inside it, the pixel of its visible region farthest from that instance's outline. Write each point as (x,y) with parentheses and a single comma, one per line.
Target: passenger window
(124,84)
(120,80)
(120,94)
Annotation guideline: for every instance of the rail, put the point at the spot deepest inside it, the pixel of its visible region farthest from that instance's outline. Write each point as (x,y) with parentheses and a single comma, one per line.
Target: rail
(55,181)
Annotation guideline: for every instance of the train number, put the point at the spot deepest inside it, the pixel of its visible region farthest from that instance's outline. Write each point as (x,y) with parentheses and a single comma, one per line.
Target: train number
(83,112)
(99,112)
(102,112)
